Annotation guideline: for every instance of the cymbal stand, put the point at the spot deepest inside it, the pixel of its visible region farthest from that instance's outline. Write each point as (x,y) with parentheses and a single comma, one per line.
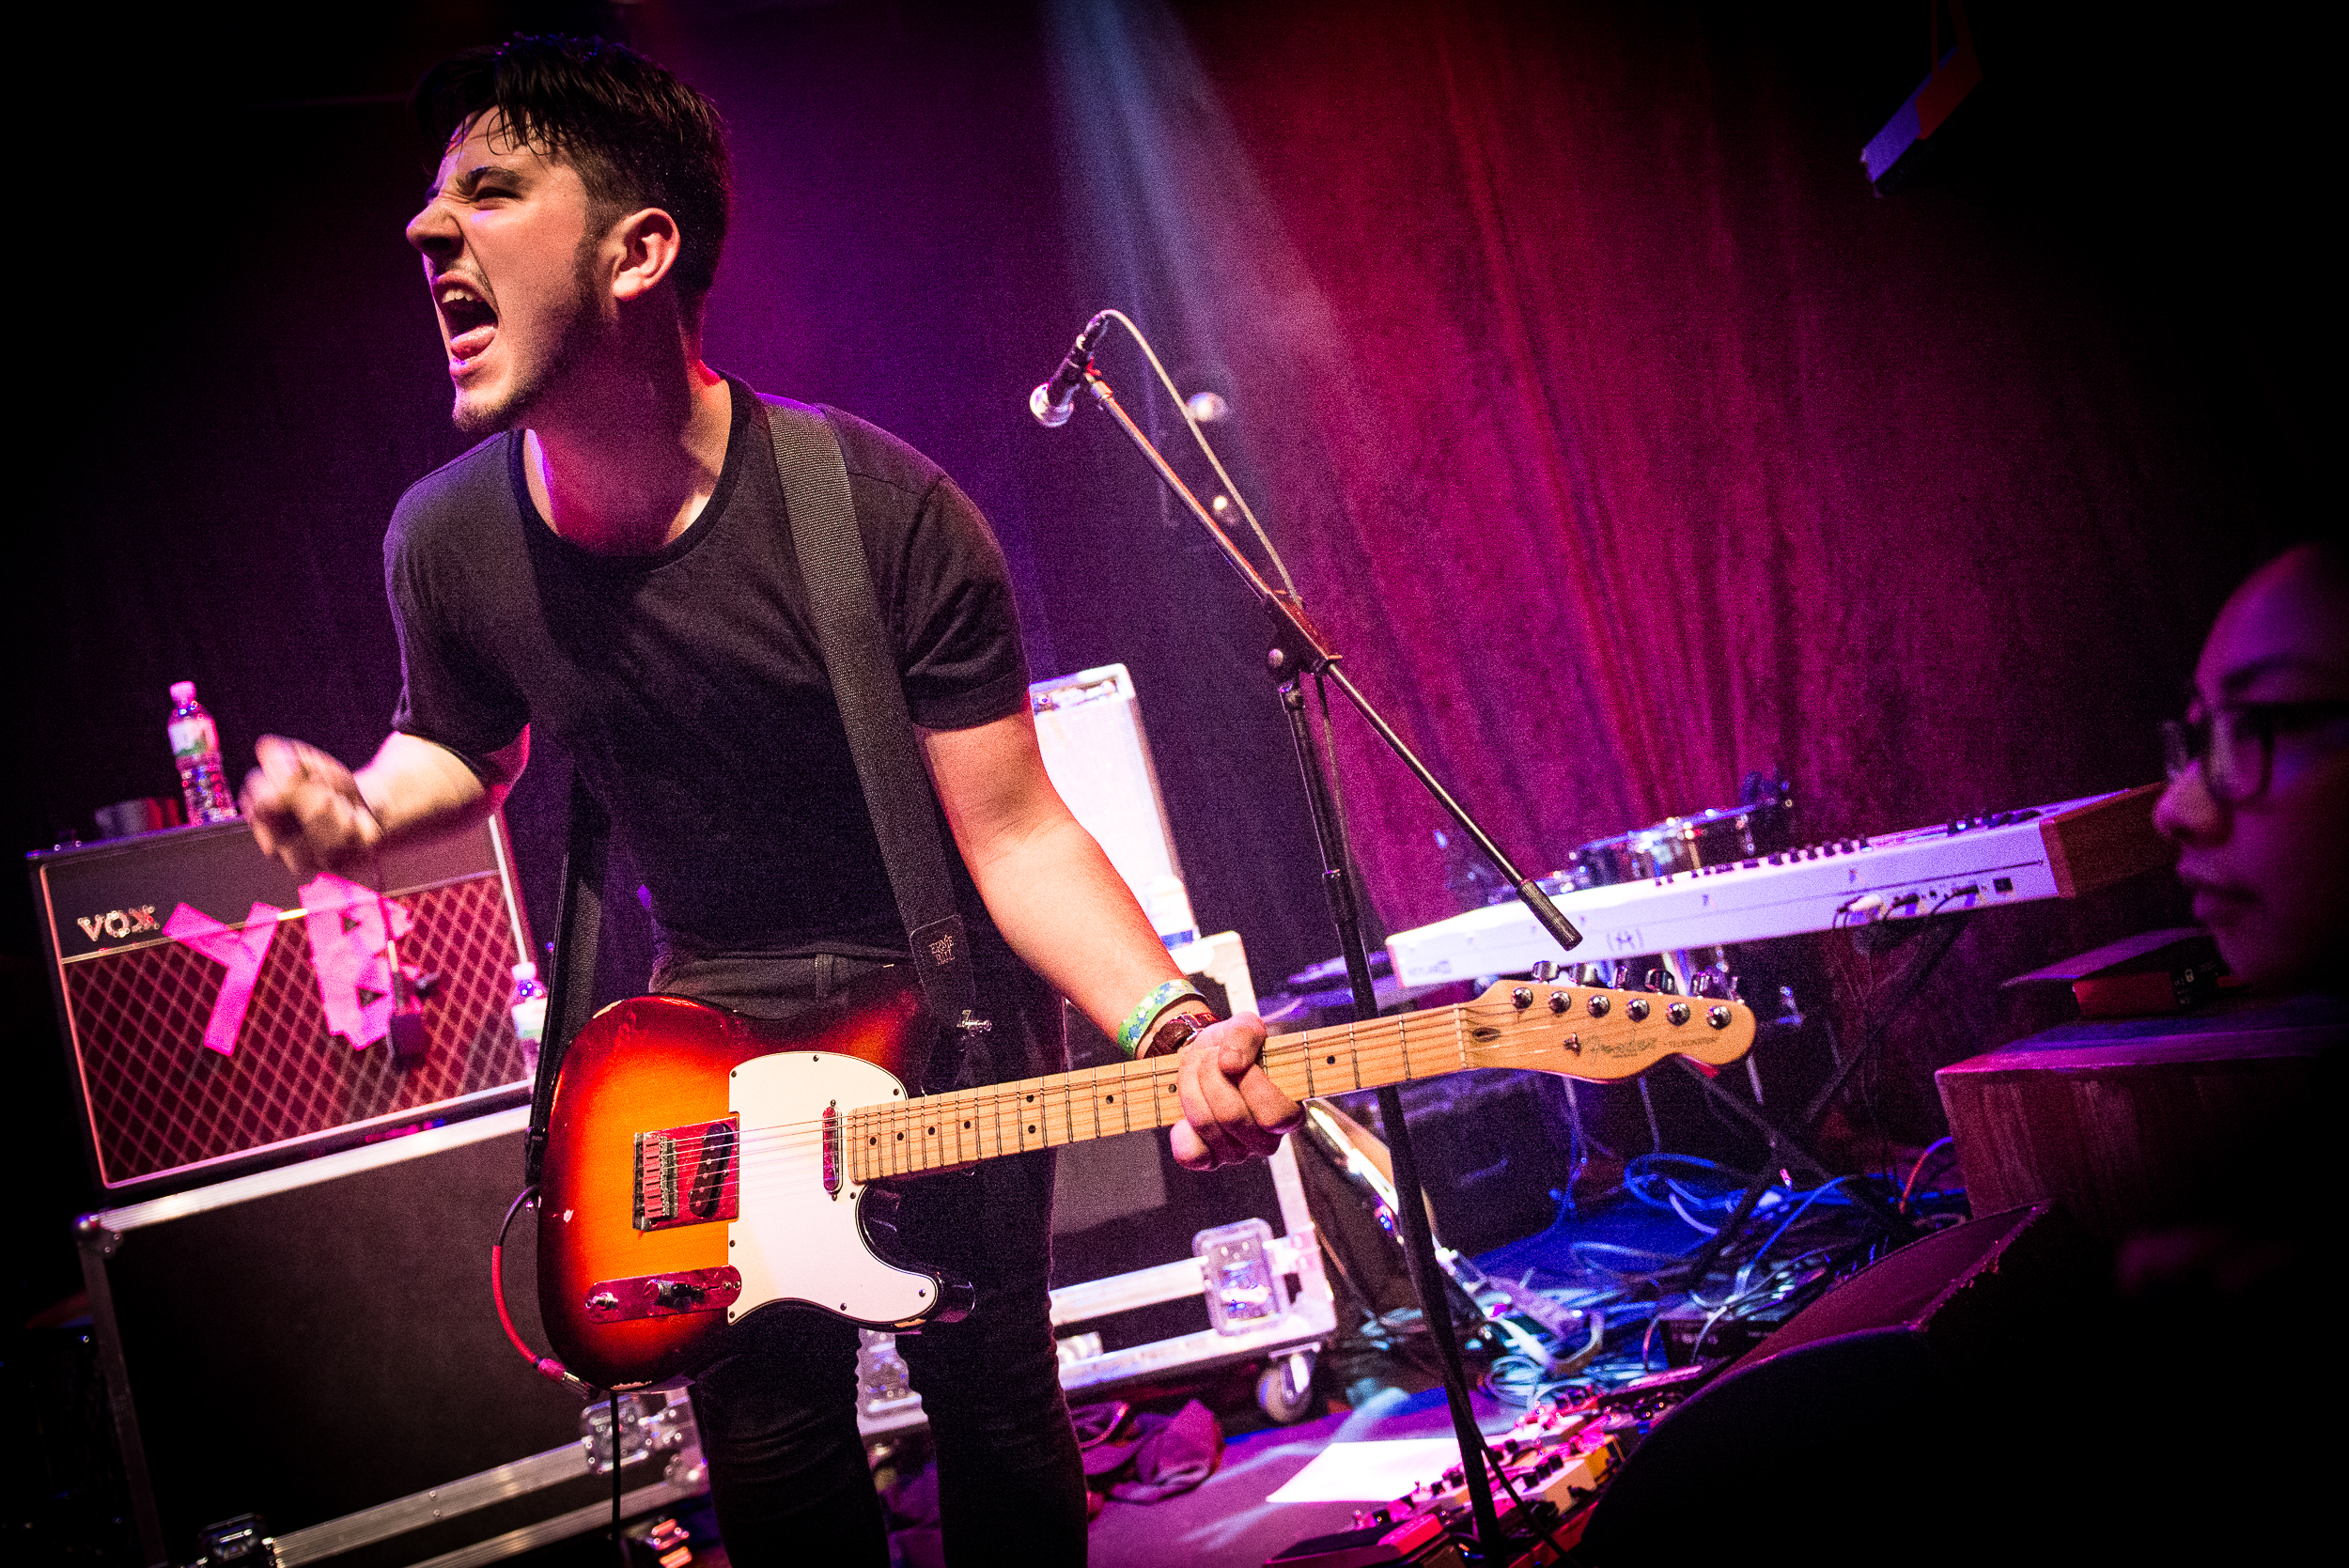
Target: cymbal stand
(1298,650)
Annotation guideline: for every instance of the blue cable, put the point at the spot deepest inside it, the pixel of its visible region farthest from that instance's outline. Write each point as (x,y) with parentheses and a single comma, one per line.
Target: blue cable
(1809,1199)
(1636,1175)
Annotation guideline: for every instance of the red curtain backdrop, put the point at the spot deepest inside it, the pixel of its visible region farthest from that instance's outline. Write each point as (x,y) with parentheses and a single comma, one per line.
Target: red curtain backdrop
(1628,442)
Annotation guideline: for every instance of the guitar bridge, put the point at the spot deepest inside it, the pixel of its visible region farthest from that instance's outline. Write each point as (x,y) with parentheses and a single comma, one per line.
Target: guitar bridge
(688,1175)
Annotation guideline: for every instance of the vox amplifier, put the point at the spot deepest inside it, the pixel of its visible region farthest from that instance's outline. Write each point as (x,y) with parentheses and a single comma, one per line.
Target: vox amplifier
(222,1014)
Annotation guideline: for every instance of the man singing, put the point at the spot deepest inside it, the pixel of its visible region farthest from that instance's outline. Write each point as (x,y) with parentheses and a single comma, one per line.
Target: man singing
(612,563)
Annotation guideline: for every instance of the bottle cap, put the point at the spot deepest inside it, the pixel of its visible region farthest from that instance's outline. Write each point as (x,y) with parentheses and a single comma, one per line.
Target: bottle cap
(183,692)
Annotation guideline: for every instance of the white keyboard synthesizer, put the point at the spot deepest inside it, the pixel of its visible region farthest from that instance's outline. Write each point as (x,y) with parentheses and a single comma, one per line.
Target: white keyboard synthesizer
(2058,851)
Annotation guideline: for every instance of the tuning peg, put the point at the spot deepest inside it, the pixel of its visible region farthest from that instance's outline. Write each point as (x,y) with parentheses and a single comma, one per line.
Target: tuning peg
(1545,971)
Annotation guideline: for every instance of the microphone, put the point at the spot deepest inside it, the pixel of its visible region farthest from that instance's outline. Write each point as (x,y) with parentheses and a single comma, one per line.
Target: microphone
(1052,401)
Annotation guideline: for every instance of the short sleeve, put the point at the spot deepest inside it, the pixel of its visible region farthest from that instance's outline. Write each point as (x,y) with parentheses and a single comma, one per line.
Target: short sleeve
(955,620)
(449,694)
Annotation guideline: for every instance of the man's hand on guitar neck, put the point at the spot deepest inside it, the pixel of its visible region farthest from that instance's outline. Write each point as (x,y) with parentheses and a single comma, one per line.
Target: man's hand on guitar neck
(1232,1110)
(1065,911)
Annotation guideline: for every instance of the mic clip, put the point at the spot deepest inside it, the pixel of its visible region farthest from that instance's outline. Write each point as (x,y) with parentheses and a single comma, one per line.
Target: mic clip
(1054,399)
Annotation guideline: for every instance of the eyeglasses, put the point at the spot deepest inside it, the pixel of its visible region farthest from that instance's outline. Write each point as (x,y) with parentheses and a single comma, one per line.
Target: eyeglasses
(2235,743)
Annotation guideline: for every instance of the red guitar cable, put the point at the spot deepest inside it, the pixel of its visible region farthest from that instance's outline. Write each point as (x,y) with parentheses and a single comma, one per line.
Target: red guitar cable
(546,1366)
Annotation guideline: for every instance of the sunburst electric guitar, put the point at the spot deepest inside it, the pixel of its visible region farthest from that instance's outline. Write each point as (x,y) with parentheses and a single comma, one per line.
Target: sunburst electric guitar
(701,1167)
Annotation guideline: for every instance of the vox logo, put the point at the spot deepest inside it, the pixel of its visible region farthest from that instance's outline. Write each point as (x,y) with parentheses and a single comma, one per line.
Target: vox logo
(118,923)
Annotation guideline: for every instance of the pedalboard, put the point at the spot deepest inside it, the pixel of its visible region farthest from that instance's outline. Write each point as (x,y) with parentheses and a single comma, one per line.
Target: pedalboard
(1554,1461)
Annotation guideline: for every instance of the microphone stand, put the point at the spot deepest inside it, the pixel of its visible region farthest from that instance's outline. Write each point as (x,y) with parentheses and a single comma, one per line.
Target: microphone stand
(1299,650)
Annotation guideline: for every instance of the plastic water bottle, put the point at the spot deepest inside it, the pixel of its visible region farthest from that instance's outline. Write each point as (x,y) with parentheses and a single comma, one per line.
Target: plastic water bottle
(195,746)
(882,1381)
(530,1014)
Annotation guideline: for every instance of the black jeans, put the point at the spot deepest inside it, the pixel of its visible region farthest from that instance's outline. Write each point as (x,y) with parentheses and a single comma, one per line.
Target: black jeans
(778,1416)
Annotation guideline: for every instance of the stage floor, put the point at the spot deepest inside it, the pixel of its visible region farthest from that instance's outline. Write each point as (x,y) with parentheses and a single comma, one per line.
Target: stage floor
(1223,1523)
(1226,1522)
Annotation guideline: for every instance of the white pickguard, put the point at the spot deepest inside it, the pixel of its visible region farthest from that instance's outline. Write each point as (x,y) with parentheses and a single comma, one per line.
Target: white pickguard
(795,1241)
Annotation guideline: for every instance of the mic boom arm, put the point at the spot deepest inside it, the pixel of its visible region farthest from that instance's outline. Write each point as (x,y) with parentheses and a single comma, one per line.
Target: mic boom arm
(1299,648)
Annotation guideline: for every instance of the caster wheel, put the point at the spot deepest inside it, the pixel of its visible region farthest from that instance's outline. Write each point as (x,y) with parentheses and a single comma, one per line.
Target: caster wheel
(1286,1391)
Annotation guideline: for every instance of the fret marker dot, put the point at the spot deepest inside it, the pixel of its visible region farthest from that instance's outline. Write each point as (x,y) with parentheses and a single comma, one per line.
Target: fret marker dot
(1331,1060)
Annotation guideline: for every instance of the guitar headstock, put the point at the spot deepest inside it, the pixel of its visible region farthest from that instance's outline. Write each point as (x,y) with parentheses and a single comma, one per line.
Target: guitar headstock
(1598,1032)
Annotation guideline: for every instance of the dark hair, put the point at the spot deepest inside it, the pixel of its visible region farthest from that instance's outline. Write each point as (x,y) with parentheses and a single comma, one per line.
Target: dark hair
(638,136)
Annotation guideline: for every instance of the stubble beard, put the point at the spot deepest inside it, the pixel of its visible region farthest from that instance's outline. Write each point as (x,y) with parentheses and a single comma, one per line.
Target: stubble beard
(532,381)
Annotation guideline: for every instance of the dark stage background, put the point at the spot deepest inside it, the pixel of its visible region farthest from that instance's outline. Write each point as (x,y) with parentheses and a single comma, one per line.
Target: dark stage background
(1624,438)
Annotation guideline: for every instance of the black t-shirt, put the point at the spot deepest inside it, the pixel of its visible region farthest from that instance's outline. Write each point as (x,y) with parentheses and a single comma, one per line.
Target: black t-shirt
(686,682)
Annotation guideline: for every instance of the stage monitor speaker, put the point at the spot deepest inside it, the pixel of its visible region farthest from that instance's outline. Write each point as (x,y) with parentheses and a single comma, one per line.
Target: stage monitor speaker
(1890,1420)
(317,1346)
(1088,727)
(221,1014)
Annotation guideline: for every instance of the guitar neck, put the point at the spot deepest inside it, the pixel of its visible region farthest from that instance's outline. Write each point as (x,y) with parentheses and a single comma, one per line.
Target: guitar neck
(939,1132)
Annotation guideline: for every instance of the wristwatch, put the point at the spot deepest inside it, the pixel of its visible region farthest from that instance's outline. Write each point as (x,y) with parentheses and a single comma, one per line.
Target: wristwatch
(1170,1035)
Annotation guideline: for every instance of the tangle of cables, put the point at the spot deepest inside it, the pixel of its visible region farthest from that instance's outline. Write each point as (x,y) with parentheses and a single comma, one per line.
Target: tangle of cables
(1628,1311)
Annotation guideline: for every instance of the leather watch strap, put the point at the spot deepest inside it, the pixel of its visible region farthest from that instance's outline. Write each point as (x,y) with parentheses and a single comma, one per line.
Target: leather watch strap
(1176,1030)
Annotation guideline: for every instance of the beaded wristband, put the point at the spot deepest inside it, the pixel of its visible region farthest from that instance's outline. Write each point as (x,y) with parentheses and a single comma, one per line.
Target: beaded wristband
(1160,998)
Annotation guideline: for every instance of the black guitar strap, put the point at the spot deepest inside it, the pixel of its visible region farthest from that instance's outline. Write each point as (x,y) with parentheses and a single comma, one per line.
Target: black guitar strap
(862,664)
(571,983)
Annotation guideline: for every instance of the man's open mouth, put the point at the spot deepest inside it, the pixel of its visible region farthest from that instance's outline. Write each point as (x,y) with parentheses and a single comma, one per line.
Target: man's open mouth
(470,321)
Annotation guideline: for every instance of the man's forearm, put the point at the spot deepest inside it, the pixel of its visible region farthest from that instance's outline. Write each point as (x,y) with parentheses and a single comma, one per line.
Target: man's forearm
(1065,909)
(1051,892)
(418,790)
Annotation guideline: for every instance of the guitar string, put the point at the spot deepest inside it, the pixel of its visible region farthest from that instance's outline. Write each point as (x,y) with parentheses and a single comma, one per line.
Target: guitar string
(992,1099)
(1275,1058)
(1045,1120)
(1376,1037)
(766,1170)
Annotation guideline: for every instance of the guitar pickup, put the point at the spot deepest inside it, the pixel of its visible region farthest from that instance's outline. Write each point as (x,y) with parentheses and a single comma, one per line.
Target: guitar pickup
(692,1290)
(688,1175)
